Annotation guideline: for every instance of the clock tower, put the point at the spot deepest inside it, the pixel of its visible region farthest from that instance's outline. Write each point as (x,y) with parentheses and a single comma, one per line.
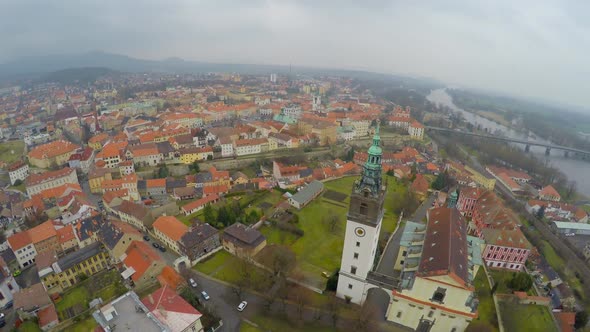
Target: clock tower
(363,227)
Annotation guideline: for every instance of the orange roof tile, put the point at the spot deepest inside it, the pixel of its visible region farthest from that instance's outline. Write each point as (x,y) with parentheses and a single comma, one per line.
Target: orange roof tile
(140,257)
(65,234)
(42,232)
(52,149)
(171,227)
(169,277)
(19,240)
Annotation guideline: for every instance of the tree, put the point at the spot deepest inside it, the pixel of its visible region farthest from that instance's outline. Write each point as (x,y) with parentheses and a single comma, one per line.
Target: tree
(195,167)
(581,319)
(571,189)
(333,222)
(18,182)
(208,213)
(390,172)
(349,154)
(541,212)
(521,281)
(210,157)
(440,182)
(332,283)
(163,172)
(332,308)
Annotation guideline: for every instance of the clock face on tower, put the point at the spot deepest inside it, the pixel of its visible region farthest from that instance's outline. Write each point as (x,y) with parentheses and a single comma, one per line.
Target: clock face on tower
(359,231)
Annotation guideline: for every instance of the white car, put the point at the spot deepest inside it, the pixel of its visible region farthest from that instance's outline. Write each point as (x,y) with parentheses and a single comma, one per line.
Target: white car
(570,234)
(242,306)
(205,295)
(193,282)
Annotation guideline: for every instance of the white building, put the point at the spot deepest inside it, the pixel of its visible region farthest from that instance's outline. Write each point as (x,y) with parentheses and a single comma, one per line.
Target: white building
(36,183)
(416,130)
(361,127)
(23,248)
(245,147)
(227,147)
(292,110)
(273,78)
(18,171)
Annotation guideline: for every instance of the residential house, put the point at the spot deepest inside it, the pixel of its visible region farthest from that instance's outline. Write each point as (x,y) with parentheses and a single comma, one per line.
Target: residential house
(72,268)
(82,160)
(549,194)
(54,153)
(135,214)
(306,194)
(51,179)
(143,264)
(96,177)
(117,236)
(242,241)
(227,147)
(416,130)
(98,141)
(47,318)
(173,311)
(86,230)
(199,240)
(184,193)
(169,231)
(28,301)
(112,154)
(243,147)
(199,204)
(67,238)
(145,154)
(44,237)
(489,212)
(126,167)
(18,170)
(155,187)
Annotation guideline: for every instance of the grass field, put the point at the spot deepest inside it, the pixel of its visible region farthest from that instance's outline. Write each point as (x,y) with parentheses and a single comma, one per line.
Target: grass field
(518,317)
(486,309)
(216,261)
(11,151)
(29,327)
(320,249)
(222,266)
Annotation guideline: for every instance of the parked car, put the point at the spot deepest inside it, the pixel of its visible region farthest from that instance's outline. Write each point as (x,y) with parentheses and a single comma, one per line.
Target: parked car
(242,306)
(192,282)
(2,320)
(155,245)
(16,273)
(145,237)
(205,295)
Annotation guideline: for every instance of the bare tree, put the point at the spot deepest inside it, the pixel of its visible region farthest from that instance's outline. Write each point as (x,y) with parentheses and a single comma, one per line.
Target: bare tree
(333,221)
(365,316)
(332,308)
(571,189)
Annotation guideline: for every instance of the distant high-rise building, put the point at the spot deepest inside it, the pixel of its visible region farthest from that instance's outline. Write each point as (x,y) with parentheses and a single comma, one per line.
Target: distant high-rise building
(273,78)
(316,102)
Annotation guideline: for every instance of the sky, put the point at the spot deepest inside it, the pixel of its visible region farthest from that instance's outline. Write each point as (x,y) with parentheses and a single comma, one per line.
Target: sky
(524,48)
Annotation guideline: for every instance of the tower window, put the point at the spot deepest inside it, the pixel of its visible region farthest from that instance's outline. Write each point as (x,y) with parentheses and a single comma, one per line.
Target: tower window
(399,314)
(356,255)
(439,295)
(358,244)
(430,314)
(349,286)
(353,269)
(364,208)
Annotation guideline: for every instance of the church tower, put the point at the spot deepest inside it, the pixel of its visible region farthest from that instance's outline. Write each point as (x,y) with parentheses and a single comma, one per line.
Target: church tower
(363,227)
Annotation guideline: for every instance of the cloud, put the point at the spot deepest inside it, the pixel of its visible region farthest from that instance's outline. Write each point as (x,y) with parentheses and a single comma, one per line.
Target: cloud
(528,48)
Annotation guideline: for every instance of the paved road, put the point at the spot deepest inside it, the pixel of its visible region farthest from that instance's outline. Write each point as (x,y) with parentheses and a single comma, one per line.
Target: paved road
(420,213)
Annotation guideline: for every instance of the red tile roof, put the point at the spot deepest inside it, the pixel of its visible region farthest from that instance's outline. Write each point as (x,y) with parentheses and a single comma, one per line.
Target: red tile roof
(140,256)
(52,149)
(65,234)
(34,179)
(47,316)
(549,191)
(19,240)
(42,232)
(163,302)
(171,227)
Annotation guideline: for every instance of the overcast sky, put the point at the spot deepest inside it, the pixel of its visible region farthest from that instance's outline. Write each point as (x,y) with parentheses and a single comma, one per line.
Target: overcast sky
(525,47)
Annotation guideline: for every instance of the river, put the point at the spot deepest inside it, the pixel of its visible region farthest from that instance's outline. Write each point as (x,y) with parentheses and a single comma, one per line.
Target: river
(574,169)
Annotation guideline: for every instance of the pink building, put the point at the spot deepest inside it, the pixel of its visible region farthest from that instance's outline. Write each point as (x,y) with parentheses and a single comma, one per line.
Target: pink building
(505,248)
(468,196)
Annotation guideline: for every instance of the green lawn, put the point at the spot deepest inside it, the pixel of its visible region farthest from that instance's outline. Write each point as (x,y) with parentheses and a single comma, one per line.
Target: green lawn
(21,187)
(11,151)
(213,263)
(320,249)
(518,317)
(78,295)
(486,308)
(245,327)
(273,323)
(29,326)
(559,265)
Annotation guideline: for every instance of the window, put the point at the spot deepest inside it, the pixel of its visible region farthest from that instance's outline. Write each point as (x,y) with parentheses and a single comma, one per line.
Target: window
(353,269)
(439,295)
(1,296)
(356,255)
(399,314)
(404,253)
(430,314)
(349,286)
(10,286)
(454,329)
(364,208)
(358,244)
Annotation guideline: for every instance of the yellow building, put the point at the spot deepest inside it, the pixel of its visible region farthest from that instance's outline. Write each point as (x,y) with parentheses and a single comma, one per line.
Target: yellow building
(484,181)
(96,177)
(54,153)
(68,270)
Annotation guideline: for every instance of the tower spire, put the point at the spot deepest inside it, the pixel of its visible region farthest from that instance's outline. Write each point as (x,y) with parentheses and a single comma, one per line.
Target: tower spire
(370,182)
